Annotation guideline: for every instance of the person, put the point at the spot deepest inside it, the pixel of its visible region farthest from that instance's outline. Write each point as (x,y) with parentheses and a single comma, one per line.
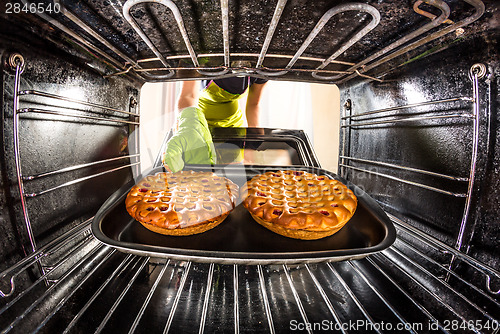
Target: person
(210,103)
(219,100)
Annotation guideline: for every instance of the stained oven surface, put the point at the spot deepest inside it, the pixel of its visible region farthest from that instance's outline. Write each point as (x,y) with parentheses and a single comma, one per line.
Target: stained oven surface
(419,134)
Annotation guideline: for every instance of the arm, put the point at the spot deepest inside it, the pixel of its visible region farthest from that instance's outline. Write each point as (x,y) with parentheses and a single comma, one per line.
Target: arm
(188,96)
(191,143)
(253,104)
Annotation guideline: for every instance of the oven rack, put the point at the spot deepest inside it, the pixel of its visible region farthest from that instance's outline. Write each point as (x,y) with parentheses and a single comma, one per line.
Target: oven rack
(70,108)
(125,64)
(363,120)
(366,292)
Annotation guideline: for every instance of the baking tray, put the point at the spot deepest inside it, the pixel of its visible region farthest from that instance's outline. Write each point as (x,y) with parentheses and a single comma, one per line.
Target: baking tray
(241,240)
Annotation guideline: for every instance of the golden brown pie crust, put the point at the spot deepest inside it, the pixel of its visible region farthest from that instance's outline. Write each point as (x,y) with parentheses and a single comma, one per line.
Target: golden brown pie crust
(182,203)
(299,204)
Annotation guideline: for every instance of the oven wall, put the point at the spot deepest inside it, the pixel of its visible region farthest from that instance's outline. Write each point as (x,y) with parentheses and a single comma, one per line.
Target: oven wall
(52,142)
(437,145)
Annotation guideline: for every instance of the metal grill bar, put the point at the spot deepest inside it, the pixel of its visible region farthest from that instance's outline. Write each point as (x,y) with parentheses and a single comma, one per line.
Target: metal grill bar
(176,300)
(353,296)
(120,297)
(180,24)
(362,7)
(98,37)
(42,278)
(239,68)
(66,114)
(451,272)
(408,116)
(345,135)
(69,183)
(325,298)
(449,287)
(416,170)
(235,300)
(445,13)
(439,245)
(116,273)
(69,294)
(113,62)
(68,99)
(126,13)
(488,286)
(410,276)
(240,54)
(76,167)
(319,26)
(148,298)
(296,297)
(49,270)
(403,291)
(475,69)
(266,301)
(473,162)
(353,40)
(51,288)
(352,71)
(208,288)
(91,31)
(405,181)
(46,250)
(270,31)
(17,157)
(413,105)
(357,271)
(382,298)
(407,119)
(479,11)
(224,5)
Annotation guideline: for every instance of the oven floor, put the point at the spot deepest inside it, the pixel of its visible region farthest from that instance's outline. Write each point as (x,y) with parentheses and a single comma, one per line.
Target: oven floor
(105,291)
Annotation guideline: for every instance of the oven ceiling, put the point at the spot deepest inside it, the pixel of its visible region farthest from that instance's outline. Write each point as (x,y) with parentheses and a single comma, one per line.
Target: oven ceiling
(320,41)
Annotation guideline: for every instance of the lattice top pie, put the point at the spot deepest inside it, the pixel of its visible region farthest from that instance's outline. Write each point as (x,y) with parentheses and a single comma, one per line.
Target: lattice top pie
(299,204)
(181,203)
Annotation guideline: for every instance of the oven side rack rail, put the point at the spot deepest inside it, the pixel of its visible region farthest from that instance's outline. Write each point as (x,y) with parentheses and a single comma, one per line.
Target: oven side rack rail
(70,109)
(356,122)
(365,120)
(125,65)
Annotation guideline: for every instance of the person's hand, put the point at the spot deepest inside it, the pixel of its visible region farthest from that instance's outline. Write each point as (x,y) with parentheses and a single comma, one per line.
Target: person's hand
(192,143)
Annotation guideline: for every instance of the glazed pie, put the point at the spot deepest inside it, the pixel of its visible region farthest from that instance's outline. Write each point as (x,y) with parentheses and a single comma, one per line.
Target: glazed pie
(182,203)
(299,204)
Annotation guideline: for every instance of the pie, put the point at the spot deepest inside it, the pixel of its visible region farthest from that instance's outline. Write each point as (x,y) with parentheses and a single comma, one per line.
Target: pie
(182,203)
(299,204)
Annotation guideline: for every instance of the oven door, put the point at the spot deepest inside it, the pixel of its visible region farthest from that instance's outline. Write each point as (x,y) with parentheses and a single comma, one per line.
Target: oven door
(258,146)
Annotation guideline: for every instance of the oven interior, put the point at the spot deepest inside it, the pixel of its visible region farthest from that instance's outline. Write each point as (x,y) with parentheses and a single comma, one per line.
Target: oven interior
(419,133)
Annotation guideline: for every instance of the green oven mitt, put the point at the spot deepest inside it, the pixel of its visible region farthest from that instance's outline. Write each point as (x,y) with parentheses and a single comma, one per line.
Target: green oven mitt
(191,143)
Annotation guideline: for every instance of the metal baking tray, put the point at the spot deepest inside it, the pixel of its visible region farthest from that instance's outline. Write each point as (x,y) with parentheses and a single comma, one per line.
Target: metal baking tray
(241,240)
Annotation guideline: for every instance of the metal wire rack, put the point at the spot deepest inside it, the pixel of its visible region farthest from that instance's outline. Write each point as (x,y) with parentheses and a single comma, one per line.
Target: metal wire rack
(400,288)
